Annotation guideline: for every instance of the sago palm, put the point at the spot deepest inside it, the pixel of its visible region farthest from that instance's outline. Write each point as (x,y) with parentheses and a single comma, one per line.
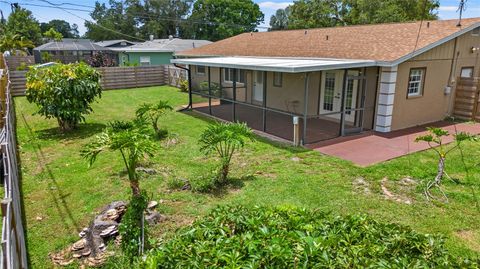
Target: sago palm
(224,139)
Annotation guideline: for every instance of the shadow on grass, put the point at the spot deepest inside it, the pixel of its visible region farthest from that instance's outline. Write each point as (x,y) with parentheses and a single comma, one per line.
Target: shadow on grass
(57,194)
(83,130)
(234,184)
(277,144)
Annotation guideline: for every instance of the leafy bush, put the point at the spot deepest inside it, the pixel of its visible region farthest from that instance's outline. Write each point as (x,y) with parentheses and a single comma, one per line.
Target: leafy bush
(102,59)
(152,113)
(214,88)
(131,227)
(183,85)
(237,237)
(64,92)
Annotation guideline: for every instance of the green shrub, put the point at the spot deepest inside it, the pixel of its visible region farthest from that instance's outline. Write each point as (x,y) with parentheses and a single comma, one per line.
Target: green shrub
(183,85)
(152,113)
(175,183)
(22,67)
(237,237)
(204,183)
(214,88)
(64,92)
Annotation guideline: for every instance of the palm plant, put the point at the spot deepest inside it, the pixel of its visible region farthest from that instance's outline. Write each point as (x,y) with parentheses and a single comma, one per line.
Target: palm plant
(133,142)
(12,42)
(434,138)
(153,112)
(225,139)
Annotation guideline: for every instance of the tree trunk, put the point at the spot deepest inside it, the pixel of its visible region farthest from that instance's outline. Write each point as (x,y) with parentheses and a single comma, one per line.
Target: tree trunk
(440,171)
(135,186)
(224,172)
(66,126)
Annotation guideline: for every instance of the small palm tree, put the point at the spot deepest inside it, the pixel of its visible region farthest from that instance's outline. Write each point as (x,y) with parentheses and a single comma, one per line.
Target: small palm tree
(435,136)
(224,139)
(131,139)
(153,112)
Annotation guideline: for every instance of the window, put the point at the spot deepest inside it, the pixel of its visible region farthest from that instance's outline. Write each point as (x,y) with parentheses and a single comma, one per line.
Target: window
(144,60)
(329,91)
(476,31)
(467,72)
(277,79)
(200,70)
(228,75)
(415,82)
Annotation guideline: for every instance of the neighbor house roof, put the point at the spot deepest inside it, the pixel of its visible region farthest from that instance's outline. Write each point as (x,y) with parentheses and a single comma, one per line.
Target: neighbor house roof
(381,42)
(70,44)
(165,45)
(108,43)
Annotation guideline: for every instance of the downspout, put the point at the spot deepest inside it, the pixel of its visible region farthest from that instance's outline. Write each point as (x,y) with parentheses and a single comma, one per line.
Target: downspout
(190,102)
(451,77)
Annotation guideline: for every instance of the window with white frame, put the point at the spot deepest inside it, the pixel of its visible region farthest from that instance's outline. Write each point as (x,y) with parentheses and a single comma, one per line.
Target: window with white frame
(201,70)
(277,79)
(144,60)
(228,75)
(415,82)
(476,31)
(467,72)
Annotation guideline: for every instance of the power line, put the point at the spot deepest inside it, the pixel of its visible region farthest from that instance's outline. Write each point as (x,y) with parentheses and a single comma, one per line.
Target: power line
(72,9)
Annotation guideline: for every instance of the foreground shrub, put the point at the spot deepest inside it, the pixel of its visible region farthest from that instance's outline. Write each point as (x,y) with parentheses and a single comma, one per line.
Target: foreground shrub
(64,92)
(237,237)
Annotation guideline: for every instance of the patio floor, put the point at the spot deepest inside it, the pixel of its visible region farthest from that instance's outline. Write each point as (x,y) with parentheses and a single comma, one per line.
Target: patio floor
(373,147)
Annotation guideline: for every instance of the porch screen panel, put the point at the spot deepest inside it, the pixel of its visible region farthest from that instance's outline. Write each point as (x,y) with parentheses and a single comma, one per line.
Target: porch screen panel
(251,115)
(322,128)
(279,124)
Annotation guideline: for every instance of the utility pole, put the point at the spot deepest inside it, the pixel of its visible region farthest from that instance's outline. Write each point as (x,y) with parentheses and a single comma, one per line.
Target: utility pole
(461,8)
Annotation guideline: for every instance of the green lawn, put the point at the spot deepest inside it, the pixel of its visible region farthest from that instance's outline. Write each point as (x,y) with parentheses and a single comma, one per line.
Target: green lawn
(62,194)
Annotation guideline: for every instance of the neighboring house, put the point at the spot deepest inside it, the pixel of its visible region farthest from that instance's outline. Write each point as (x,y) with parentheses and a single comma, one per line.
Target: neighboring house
(70,50)
(336,81)
(119,43)
(157,51)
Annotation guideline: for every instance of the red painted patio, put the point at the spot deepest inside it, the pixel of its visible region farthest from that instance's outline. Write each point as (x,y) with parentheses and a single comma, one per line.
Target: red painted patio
(373,147)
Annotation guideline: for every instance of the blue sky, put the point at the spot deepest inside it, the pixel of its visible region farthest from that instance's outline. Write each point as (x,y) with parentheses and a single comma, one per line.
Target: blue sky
(448,9)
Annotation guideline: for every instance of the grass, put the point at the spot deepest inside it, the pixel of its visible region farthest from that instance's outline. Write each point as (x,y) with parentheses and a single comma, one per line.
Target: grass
(62,194)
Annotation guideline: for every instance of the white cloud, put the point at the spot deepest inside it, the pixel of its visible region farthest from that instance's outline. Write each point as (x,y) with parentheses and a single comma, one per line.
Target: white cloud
(448,8)
(274,5)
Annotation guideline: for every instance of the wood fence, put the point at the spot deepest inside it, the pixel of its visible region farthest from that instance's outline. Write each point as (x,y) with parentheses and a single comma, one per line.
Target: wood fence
(467,99)
(119,77)
(13,250)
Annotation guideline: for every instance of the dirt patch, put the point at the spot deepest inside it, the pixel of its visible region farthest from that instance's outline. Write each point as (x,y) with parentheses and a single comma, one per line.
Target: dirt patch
(398,190)
(360,185)
(470,238)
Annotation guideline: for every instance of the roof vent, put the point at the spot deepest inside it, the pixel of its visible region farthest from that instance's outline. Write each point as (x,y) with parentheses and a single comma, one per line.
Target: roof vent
(305,31)
(428,24)
(151,37)
(193,44)
(326,37)
(170,37)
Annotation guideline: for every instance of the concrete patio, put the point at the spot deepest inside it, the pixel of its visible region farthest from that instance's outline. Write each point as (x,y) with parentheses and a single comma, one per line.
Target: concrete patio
(373,147)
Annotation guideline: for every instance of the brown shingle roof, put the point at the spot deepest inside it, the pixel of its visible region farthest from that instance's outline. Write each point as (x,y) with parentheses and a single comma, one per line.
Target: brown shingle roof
(380,42)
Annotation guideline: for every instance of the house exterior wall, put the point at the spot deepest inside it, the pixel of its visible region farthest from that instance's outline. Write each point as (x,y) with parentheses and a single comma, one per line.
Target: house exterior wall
(156,58)
(441,71)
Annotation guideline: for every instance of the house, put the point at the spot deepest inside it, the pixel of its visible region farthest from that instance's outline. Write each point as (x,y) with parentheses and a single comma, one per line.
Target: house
(316,84)
(69,50)
(156,51)
(118,43)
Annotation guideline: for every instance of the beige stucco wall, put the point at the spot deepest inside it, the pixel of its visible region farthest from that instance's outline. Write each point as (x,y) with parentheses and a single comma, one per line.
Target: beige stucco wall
(434,104)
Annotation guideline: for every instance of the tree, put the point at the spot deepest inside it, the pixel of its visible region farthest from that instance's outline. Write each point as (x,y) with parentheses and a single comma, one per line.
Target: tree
(13,42)
(61,26)
(327,13)
(279,21)
(21,22)
(131,139)
(435,136)
(163,17)
(64,92)
(102,59)
(117,16)
(52,34)
(225,139)
(219,19)
(153,112)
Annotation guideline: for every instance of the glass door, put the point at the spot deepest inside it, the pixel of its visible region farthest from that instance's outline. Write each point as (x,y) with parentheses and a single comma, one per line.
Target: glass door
(353,102)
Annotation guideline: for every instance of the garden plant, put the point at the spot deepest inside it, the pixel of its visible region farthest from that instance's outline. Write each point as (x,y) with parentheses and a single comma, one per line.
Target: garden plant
(224,139)
(435,140)
(152,113)
(64,92)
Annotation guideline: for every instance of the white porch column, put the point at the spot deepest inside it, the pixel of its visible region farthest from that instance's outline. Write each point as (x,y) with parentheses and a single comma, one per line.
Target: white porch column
(388,81)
